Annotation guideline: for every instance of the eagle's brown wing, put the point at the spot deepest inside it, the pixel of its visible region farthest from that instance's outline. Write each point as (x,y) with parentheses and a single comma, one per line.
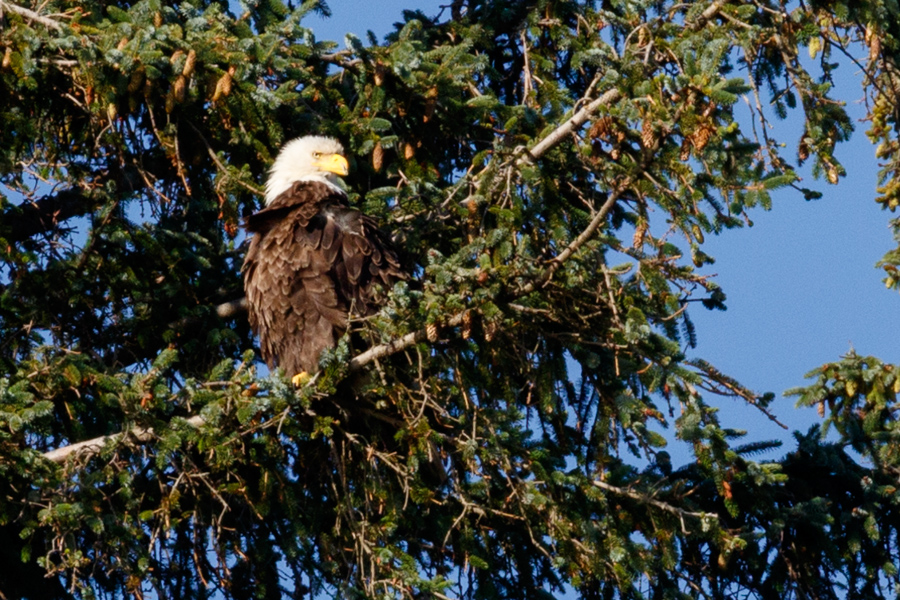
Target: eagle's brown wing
(311,261)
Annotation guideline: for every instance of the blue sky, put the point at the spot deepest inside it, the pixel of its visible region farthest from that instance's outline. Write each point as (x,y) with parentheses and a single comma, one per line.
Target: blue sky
(801,283)
(360,16)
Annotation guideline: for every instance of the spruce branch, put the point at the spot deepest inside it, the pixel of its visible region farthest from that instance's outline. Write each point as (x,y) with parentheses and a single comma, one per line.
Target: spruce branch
(233,307)
(39,216)
(537,151)
(225,310)
(89,448)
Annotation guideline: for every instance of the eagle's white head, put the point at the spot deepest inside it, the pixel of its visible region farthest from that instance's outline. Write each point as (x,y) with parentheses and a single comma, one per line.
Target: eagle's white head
(309,158)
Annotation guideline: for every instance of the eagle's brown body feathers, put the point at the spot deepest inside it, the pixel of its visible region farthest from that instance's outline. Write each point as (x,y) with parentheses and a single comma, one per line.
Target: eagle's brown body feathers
(312,262)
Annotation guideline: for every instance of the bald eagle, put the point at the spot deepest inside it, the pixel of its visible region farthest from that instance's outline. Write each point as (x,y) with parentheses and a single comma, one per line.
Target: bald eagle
(313,261)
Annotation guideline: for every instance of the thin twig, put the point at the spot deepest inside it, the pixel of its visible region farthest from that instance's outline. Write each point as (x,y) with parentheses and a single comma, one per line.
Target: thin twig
(222,168)
(644,499)
(179,165)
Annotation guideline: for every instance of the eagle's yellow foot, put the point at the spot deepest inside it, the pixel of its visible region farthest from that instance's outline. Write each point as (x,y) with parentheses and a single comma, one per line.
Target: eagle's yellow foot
(301,379)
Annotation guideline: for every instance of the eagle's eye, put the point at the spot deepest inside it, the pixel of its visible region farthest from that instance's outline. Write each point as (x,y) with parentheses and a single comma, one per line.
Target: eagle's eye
(317,155)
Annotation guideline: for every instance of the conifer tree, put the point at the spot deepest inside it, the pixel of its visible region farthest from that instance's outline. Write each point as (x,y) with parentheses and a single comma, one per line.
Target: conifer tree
(551,169)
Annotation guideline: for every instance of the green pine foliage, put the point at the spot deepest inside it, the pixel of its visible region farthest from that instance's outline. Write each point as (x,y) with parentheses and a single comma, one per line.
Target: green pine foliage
(551,169)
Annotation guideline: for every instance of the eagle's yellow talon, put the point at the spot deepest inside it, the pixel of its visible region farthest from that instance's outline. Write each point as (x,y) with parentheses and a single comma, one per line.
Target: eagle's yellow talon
(300,379)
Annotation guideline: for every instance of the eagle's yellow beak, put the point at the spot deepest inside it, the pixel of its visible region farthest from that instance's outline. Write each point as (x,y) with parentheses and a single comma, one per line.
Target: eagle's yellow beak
(333,163)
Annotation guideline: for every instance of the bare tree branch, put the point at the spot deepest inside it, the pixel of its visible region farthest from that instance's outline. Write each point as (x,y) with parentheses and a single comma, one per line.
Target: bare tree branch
(557,261)
(644,499)
(707,14)
(229,309)
(30,15)
(89,448)
(401,343)
(574,122)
